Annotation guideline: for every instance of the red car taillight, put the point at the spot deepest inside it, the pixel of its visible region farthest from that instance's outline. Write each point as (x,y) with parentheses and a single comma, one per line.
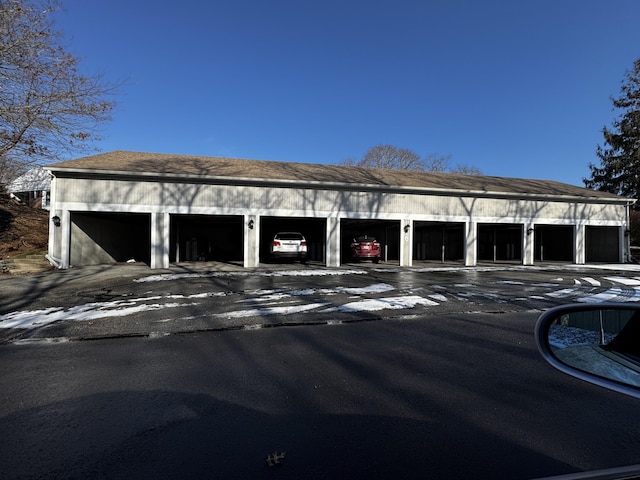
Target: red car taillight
(303,243)
(276,243)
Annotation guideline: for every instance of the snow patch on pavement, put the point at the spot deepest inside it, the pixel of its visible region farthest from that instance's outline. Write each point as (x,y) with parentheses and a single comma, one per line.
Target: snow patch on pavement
(624,280)
(261,312)
(438,297)
(280,294)
(565,292)
(86,312)
(377,304)
(131,306)
(278,273)
(613,295)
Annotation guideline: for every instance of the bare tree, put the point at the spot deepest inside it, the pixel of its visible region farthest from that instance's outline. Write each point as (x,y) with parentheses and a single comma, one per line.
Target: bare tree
(466,170)
(47,107)
(388,156)
(349,162)
(436,163)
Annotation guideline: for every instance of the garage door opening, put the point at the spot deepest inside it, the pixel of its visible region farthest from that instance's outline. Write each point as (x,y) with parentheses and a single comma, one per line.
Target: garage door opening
(602,244)
(206,238)
(105,238)
(386,232)
(442,242)
(313,229)
(499,242)
(553,243)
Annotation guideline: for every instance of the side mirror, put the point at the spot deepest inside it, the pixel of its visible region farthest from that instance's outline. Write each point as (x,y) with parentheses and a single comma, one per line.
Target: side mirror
(598,344)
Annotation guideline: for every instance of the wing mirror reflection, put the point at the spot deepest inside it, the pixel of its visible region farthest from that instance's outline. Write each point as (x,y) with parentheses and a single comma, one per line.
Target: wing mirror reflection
(599,344)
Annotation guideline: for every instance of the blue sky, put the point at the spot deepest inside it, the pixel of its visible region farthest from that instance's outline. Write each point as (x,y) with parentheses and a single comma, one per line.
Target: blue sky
(515,88)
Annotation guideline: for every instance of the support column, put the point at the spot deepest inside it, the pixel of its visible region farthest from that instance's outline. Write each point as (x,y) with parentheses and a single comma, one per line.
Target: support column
(579,245)
(53,248)
(624,248)
(528,247)
(470,244)
(160,240)
(333,242)
(251,247)
(65,238)
(406,243)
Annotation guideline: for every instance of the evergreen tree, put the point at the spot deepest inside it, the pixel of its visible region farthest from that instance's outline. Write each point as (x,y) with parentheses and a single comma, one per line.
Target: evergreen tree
(619,171)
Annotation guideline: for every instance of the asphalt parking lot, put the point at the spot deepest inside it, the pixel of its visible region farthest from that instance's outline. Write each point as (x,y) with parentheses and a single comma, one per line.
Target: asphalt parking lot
(354,371)
(132,300)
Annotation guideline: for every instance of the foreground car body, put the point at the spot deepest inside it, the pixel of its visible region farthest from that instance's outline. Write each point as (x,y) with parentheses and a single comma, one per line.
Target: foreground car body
(600,345)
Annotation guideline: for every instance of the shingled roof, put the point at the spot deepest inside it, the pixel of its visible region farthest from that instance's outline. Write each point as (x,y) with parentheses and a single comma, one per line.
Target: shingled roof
(271,172)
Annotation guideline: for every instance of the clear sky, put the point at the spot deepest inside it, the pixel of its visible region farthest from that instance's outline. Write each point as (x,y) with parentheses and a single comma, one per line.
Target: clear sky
(515,88)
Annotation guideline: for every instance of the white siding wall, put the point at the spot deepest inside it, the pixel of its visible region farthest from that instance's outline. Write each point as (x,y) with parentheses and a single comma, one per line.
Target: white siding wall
(113,195)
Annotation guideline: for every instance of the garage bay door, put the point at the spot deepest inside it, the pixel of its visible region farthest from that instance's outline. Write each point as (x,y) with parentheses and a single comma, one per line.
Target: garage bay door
(103,238)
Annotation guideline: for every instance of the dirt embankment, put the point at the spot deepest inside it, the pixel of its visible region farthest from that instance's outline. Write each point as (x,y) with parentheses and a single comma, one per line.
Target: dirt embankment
(23,230)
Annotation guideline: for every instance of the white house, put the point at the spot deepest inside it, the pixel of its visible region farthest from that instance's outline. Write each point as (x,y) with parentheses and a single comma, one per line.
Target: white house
(32,188)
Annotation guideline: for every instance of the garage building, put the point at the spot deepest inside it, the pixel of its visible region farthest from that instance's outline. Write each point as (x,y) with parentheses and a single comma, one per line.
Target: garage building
(163,209)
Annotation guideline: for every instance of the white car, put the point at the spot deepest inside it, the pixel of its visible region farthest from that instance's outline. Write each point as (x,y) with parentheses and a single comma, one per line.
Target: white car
(289,245)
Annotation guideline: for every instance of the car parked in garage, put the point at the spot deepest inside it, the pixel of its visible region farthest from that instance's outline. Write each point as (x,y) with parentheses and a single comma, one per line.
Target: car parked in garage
(366,247)
(289,245)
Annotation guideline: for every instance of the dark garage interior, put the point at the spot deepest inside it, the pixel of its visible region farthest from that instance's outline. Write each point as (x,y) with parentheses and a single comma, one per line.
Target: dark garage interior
(499,242)
(206,238)
(442,242)
(114,237)
(602,244)
(553,243)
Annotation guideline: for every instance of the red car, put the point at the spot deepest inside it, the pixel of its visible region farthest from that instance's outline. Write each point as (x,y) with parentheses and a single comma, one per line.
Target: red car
(366,246)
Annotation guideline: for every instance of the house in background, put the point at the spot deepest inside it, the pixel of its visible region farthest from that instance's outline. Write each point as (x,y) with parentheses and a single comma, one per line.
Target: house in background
(33,188)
